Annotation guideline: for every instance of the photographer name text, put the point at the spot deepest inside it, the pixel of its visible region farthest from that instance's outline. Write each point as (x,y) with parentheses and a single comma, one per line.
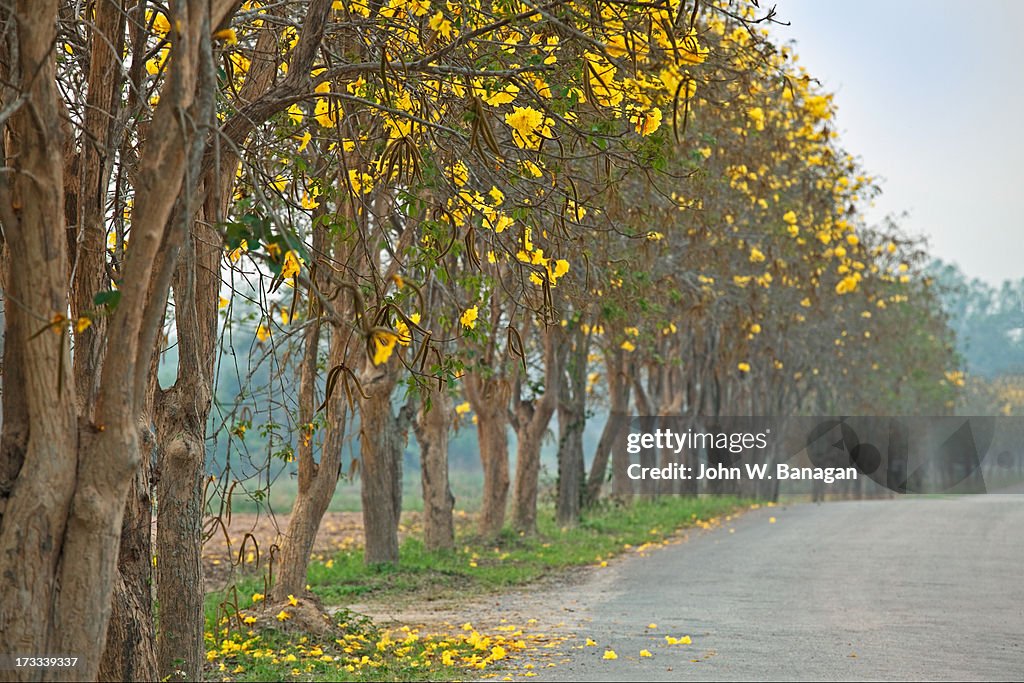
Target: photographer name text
(748,471)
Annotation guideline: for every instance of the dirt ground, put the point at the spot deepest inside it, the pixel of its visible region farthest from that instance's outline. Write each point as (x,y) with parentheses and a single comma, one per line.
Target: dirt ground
(246,544)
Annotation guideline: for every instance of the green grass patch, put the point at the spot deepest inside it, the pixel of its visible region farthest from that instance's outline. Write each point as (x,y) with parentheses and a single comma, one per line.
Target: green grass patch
(510,560)
(474,567)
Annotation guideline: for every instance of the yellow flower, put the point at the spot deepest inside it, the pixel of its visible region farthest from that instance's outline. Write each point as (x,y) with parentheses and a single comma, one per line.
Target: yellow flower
(591,642)
(384,345)
(846,285)
(744,367)
(756,115)
(756,255)
(263,332)
(250,620)
(463,408)
(504,96)
(610,654)
(685,640)
(628,346)
(292,600)
(645,653)
(439,23)
(256,597)
(283,616)
(647,122)
(82,324)
(228,35)
(469,316)
(404,335)
(524,121)
(652,626)
(291,265)
(324,114)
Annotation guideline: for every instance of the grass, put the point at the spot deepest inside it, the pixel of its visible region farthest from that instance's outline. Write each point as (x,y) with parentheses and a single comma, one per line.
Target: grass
(472,568)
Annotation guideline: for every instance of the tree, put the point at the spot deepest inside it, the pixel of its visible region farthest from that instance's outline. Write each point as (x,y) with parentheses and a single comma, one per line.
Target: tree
(67,473)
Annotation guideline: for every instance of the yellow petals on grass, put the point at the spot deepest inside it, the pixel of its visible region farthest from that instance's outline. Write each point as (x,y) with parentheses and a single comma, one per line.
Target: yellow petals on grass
(283,616)
(847,284)
(292,600)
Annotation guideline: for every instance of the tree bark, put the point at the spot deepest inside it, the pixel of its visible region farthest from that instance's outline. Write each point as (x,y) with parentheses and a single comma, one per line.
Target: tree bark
(432,425)
(532,419)
(618,399)
(489,398)
(572,420)
(317,480)
(130,653)
(381,444)
(67,480)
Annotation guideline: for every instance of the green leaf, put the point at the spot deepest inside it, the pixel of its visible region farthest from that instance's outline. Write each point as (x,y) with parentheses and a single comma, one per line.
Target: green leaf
(109,299)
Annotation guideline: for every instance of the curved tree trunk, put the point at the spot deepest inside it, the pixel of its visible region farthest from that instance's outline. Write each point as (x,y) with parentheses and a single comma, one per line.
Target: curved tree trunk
(618,399)
(317,480)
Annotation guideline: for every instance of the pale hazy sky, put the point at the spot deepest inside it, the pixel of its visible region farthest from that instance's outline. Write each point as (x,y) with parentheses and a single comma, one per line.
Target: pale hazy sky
(930,96)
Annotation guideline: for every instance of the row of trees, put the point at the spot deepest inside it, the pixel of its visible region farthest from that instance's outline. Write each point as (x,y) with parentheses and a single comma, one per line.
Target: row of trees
(527,207)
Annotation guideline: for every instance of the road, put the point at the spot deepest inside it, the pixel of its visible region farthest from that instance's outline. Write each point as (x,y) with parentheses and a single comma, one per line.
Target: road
(907,589)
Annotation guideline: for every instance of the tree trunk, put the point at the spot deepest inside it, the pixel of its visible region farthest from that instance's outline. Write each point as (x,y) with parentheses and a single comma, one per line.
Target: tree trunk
(130,653)
(618,398)
(317,480)
(381,444)
(66,481)
(179,571)
(489,398)
(524,495)
(431,427)
(572,420)
(532,419)
(570,466)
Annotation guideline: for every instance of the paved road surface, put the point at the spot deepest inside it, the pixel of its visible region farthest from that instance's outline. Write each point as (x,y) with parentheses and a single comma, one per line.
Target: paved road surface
(908,589)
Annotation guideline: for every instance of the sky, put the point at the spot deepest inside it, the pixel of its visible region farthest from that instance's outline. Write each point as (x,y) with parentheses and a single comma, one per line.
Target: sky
(930,97)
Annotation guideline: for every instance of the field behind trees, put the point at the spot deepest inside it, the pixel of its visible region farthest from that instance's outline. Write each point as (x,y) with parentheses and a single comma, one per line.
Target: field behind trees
(257,253)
